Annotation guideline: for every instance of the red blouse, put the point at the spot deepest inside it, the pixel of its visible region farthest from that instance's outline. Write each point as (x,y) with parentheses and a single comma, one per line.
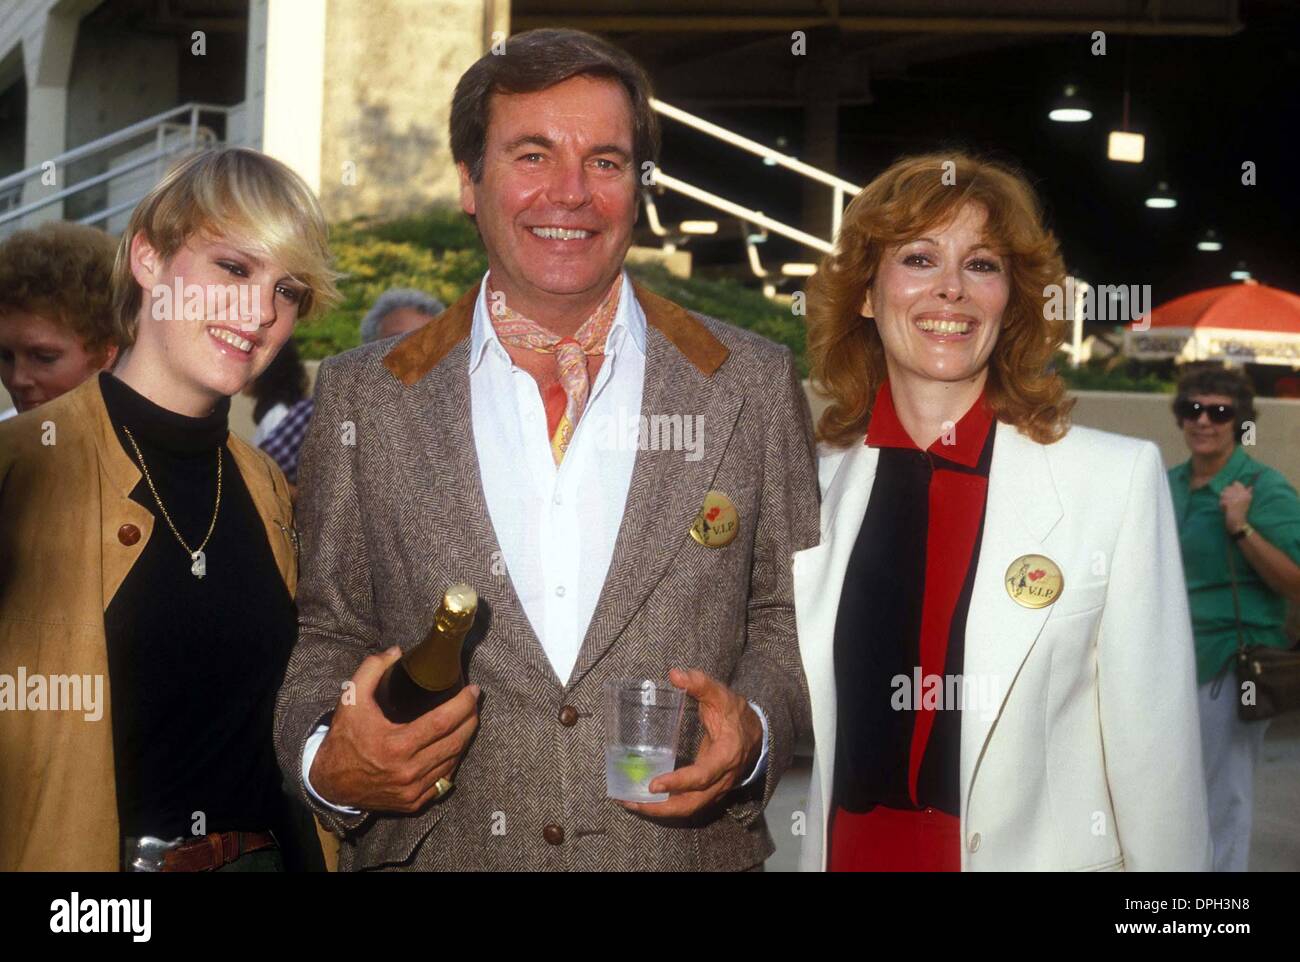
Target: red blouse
(897,798)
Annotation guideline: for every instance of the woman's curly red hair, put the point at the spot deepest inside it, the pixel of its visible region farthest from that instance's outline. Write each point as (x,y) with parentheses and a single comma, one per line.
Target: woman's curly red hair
(914,194)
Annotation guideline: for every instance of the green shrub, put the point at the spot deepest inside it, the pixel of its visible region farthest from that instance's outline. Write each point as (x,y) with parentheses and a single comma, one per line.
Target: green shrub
(437,229)
(371,265)
(731,302)
(1106,375)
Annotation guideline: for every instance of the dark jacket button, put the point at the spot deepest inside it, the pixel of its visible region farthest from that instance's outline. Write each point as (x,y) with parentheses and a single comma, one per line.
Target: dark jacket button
(568,716)
(553,834)
(128,534)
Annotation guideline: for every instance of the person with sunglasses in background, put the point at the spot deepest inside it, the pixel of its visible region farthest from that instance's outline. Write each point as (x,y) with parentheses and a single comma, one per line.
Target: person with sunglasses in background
(1237,519)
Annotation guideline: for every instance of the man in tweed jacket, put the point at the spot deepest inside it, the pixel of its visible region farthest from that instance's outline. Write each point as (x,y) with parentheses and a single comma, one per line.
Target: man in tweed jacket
(429,462)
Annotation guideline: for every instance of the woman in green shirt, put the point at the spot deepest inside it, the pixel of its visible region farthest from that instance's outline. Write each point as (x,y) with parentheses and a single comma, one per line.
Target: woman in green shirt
(1228,504)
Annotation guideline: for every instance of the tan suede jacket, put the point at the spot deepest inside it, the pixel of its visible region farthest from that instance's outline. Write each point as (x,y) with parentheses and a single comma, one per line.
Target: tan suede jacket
(66,546)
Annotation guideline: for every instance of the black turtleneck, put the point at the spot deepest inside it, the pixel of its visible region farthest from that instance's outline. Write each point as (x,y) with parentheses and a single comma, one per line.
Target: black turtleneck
(194,664)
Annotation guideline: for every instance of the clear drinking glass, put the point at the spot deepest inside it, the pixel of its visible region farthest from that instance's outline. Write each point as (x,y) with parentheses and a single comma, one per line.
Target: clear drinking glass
(643,720)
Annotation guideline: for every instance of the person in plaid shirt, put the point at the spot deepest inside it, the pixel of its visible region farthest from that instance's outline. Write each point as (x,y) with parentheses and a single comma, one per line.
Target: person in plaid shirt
(282,409)
(284,440)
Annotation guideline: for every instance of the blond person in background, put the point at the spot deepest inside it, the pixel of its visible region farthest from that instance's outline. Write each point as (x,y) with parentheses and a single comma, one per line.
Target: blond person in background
(150,554)
(56,316)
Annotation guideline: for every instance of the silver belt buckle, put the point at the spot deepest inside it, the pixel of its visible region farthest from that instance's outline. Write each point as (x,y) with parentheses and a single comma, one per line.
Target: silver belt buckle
(150,851)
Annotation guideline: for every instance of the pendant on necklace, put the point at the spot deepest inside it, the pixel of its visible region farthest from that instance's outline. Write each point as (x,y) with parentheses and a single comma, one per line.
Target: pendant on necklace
(200,566)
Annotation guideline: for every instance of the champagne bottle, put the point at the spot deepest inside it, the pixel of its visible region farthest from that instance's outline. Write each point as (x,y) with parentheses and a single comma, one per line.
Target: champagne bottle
(429,674)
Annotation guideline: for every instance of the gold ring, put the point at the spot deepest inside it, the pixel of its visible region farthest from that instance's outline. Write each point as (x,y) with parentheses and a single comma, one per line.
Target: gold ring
(443,785)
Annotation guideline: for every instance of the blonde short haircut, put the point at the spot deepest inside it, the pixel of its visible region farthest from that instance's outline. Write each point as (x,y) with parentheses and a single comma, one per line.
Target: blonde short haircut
(239,195)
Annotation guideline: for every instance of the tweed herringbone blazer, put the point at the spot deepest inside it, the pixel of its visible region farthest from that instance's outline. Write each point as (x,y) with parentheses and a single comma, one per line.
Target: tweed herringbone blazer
(392,511)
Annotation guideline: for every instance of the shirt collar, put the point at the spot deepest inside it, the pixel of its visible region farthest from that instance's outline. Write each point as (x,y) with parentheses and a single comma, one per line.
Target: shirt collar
(629,323)
(968,436)
(1237,465)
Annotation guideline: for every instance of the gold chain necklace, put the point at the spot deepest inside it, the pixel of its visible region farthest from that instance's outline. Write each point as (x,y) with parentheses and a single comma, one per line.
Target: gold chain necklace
(199,566)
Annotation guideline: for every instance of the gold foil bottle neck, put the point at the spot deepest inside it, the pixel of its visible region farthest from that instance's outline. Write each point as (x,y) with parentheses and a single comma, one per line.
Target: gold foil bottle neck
(457,610)
(435,663)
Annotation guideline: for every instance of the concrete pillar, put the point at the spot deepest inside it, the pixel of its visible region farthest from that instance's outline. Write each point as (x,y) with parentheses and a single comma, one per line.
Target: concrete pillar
(47,62)
(248,119)
(392,67)
(286,81)
(356,97)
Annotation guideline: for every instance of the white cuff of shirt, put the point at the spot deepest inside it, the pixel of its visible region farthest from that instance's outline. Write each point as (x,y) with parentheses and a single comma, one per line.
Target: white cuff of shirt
(759,766)
(309,755)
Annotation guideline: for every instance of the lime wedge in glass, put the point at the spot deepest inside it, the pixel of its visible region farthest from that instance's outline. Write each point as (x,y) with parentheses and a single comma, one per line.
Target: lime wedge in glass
(635,767)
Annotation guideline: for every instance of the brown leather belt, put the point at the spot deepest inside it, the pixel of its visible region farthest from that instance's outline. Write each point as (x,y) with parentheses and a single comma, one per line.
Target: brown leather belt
(211,852)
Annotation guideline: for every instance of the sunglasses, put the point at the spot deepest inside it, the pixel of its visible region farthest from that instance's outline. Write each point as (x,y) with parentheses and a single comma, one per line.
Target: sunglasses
(1191,411)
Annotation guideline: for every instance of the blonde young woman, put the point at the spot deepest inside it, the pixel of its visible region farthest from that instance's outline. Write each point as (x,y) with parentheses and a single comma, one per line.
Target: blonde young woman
(149,554)
(994,626)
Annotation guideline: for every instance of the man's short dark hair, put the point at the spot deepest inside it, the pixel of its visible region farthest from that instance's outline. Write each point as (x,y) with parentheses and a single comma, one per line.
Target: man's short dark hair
(537,60)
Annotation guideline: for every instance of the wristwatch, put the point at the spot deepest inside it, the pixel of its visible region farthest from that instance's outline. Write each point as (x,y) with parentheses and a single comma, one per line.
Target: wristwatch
(1242,532)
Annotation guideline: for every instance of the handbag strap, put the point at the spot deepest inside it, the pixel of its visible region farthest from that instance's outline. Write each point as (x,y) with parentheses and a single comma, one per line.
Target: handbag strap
(1236,615)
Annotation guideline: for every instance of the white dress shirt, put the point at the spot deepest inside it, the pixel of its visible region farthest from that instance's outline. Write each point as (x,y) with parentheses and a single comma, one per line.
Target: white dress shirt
(556,524)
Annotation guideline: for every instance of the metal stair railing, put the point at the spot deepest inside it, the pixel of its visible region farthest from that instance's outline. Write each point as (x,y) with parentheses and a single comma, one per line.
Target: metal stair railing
(163,126)
(839,186)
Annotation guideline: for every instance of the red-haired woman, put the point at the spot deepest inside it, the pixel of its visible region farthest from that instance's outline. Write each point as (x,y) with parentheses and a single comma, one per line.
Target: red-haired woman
(994,626)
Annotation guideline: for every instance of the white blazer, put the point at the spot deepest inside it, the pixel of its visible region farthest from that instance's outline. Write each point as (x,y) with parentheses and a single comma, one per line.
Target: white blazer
(1088,754)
